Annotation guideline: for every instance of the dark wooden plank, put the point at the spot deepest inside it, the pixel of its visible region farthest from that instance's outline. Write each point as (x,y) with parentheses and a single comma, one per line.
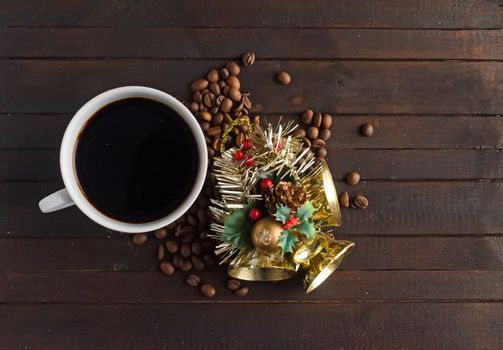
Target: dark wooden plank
(395,208)
(259,13)
(154,287)
(340,86)
(252,326)
(391,132)
(293,43)
(38,165)
(371,253)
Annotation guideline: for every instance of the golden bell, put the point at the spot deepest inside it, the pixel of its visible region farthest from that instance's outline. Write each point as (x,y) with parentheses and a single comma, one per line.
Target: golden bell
(328,212)
(256,266)
(319,257)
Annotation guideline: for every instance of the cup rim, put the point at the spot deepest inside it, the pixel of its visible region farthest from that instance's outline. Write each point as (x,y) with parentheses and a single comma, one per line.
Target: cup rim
(70,141)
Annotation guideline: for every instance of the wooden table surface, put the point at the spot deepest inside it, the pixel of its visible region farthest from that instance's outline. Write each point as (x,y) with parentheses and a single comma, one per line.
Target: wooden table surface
(427,271)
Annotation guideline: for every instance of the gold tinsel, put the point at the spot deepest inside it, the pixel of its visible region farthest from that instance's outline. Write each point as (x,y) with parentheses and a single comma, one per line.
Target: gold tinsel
(243,120)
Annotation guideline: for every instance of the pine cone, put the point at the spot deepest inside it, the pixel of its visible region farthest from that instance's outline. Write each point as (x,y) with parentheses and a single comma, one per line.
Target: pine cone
(290,195)
(270,200)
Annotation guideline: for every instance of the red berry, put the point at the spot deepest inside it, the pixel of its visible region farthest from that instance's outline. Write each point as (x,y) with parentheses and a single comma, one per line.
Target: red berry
(254,214)
(291,223)
(249,162)
(266,183)
(239,155)
(247,144)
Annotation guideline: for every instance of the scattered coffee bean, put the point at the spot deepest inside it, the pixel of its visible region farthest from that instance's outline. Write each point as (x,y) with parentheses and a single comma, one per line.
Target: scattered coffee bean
(233,68)
(235,94)
(242,292)
(191,220)
(216,143)
(161,233)
(208,290)
(177,261)
(321,152)
(212,76)
(344,199)
(160,252)
(361,202)
(171,246)
(201,213)
(326,121)
(307,116)
(232,81)
(318,143)
(194,107)
(307,142)
(239,139)
(197,248)
(204,126)
(193,280)
(139,238)
(317,120)
(211,152)
(367,130)
(199,84)
(214,88)
(325,134)
(167,268)
(214,131)
(188,238)
(185,250)
(209,259)
(226,105)
(299,132)
(197,97)
(197,262)
(283,78)
(246,101)
(206,116)
(187,266)
(312,132)
(233,284)
(248,59)
(352,178)
(171,226)
(224,73)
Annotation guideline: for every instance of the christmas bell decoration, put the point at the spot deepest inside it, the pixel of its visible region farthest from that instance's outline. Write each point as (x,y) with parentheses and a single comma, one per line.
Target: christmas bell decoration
(257,266)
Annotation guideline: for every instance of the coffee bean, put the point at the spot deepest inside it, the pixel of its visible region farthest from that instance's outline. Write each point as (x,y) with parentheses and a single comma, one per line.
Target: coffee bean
(325,134)
(192,280)
(214,88)
(243,128)
(203,234)
(352,178)
(318,143)
(235,94)
(188,238)
(248,59)
(197,248)
(307,116)
(160,252)
(233,68)
(224,73)
(233,284)
(307,142)
(197,97)
(246,101)
(256,120)
(344,199)
(201,214)
(172,246)
(367,130)
(361,202)
(299,132)
(235,130)
(191,220)
(208,290)
(139,238)
(211,152)
(187,266)
(214,131)
(309,155)
(161,233)
(209,259)
(218,102)
(226,105)
(239,108)
(317,119)
(197,263)
(227,118)
(242,292)
(312,133)
(212,76)
(216,143)
(194,107)
(167,268)
(232,81)
(202,107)
(225,91)
(217,119)
(239,139)
(171,226)
(205,116)
(321,152)
(283,78)
(326,121)
(177,261)
(199,84)
(209,99)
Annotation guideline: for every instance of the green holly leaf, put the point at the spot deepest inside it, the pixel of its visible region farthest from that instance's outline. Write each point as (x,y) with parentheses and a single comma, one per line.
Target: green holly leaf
(306,211)
(282,214)
(287,241)
(237,227)
(307,228)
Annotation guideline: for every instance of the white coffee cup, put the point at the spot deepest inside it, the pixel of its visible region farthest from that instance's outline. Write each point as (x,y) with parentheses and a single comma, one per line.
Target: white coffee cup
(72,193)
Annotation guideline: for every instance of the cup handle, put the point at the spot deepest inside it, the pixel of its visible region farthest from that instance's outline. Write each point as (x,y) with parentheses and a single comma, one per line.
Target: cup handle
(56,201)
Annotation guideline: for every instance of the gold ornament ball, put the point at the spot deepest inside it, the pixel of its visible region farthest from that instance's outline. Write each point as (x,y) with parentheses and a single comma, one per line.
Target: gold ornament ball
(265,235)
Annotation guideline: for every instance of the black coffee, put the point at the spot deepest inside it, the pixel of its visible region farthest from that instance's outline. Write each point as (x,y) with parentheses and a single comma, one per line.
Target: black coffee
(136,160)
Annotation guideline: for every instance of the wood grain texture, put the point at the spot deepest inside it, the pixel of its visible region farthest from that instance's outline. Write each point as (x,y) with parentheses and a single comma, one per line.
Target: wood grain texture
(207,326)
(294,43)
(259,13)
(32,131)
(339,87)
(342,286)
(43,165)
(372,253)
